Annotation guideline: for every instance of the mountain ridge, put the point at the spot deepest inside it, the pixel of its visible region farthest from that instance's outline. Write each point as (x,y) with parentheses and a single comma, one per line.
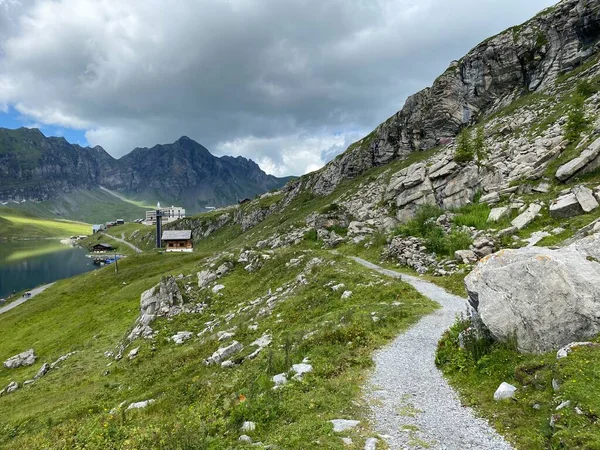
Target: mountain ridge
(37,168)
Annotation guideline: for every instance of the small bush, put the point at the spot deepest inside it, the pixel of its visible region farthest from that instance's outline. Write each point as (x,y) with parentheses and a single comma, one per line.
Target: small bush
(585,89)
(342,231)
(311,235)
(464,147)
(577,122)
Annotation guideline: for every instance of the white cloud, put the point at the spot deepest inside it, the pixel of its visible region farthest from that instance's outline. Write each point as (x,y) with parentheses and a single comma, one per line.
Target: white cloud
(280,82)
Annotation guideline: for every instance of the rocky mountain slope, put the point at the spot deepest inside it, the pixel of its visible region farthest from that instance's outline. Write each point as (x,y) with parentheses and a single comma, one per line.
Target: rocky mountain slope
(36,168)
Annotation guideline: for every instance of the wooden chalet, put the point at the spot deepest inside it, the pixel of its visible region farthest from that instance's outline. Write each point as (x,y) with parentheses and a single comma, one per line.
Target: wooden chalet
(178,241)
(101,248)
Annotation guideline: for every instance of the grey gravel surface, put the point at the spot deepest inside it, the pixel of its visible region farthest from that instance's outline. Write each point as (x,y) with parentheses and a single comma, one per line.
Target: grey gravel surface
(413,406)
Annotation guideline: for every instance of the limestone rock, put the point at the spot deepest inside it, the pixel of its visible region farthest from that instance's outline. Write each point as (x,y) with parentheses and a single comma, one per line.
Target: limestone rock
(505,391)
(300,370)
(43,371)
(371,444)
(465,256)
(181,337)
(569,169)
(527,217)
(163,300)
(498,214)
(586,198)
(26,358)
(567,349)
(12,387)
(205,278)
(554,303)
(566,206)
(141,405)
(223,353)
(342,425)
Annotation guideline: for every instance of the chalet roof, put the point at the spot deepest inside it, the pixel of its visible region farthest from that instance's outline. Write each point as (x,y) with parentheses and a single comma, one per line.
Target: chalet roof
(107,246)
(176,235)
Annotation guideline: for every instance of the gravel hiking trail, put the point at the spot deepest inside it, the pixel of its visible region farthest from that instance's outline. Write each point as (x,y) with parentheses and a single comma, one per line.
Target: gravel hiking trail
(412,405)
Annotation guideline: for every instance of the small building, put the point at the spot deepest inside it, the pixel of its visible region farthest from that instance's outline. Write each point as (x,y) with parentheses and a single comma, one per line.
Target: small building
(98,228)
(101,248)
(243,201)
(178,241)
(120,222)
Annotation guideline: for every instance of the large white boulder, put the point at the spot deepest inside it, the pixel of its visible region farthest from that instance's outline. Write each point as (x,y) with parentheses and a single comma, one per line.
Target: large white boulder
(544,298)
(26,358)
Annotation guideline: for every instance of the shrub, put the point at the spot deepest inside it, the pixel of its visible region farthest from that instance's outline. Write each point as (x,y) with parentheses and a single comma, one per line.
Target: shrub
(577,122)
(311,235)
(464,147)
(585,89)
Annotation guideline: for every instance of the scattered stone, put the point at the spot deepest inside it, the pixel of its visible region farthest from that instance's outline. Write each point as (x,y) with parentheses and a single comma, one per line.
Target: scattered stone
(280,380)
(248,426)
(569,169)
(505,391)
(218,288)
(43,371)
(223,353)
(28,383)
(62,359)
(12,387)
(527,217)
(555,385)
(465,256)
(586,198)
(133,353)
(498,214)
(245,438)
(566,350)
(563,405)
(491,199)
(141,405)
(371,444)
(337,287)
(542,188)
(347,441)
(346,295)
(300,370)
(181,337)
(565,207)
(24,359)
(205,278)
(342,425)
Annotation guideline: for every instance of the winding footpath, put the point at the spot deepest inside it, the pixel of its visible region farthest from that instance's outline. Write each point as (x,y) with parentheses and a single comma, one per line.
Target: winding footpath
(34,292)
(412,404)
(128,244)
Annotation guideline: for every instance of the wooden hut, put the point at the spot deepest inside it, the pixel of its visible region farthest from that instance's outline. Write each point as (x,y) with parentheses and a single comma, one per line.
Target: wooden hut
(178,241)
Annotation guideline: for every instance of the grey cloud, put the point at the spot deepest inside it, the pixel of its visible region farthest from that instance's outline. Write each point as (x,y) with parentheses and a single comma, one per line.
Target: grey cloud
(254,77)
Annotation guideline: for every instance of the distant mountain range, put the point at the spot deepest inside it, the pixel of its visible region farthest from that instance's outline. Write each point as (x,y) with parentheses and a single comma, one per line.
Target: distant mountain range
(36,168)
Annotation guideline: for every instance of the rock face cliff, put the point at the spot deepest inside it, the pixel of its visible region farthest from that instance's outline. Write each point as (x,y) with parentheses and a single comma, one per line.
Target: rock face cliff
(38,168)
(521,60)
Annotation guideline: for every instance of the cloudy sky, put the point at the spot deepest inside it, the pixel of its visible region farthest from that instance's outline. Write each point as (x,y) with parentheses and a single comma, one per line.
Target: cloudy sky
(288,83)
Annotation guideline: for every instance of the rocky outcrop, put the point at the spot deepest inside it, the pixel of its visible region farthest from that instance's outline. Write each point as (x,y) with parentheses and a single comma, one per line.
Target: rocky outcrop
(21,360)
(555,302)
(521,59)
(163,300)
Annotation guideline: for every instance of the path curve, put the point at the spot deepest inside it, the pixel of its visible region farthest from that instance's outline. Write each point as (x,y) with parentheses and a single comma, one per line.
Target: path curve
(412,404)
(34,292)
(128,244)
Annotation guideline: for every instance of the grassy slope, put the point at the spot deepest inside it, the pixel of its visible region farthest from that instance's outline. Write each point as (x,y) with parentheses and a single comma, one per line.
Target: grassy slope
(92,206)
(16,224)
(526,419)
(198,407)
